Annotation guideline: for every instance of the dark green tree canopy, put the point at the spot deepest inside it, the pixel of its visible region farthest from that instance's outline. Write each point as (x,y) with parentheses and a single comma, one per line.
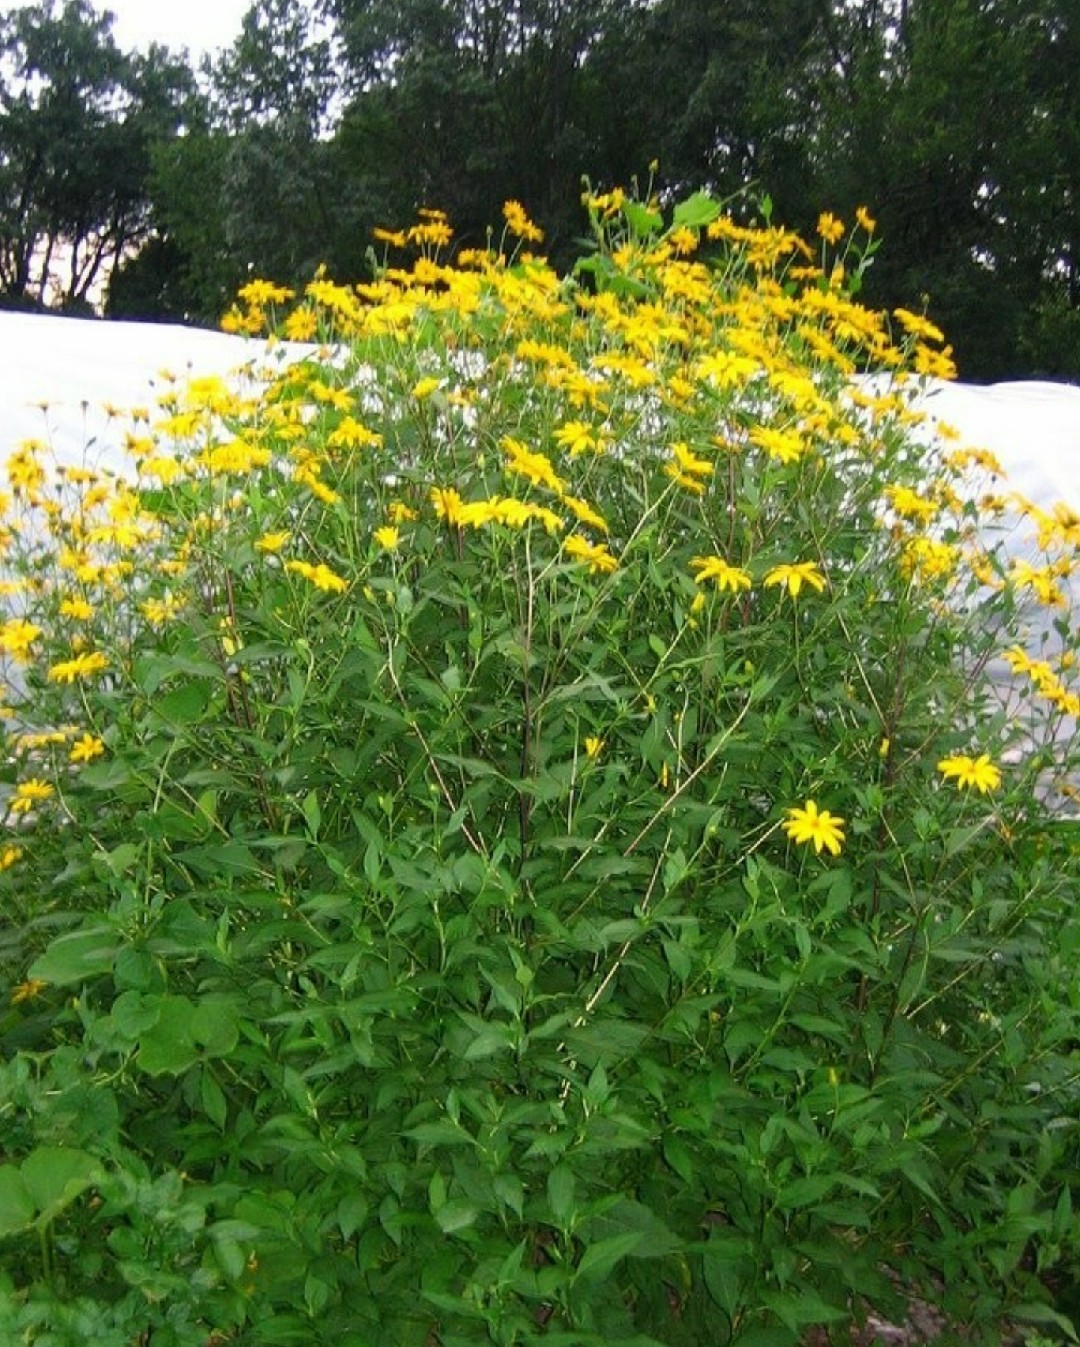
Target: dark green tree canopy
(954,121)
(79,120)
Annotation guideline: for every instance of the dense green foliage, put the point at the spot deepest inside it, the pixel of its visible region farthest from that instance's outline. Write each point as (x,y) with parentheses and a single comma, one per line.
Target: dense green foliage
(510,840)
(955,121)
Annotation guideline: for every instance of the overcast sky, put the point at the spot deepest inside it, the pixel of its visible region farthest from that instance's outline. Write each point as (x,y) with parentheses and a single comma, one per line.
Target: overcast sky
(199,25)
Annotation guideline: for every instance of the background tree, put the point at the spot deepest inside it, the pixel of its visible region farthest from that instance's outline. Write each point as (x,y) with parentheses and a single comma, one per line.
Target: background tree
(79,121)
(955,121)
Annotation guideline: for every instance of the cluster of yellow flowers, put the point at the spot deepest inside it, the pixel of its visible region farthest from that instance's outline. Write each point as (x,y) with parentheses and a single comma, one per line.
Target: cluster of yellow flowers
(509,398)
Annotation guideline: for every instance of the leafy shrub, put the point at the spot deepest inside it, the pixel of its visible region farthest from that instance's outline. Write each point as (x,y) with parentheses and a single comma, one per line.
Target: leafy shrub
(511,839)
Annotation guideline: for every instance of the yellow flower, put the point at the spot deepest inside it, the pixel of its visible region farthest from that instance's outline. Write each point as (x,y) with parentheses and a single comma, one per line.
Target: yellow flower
(725,369)
(423,388)
(594,555)
(928,559)
(918,325)
(527,463)
(793,577)
(351,434)
(448,504)
(910,504)
(387,537)
(725,575)
(435,231)
(27,991)
(684,479)
(518,222)
(309,477)
(272,542)
(585,513)
(578,438)
(259,293)
(82,666)
(689,462)
(864,219)
(86,749)
(301,325)
(30,743)
(979,772)
(234,457)
(78,609)
(683,240)
(935,364)
(159,611)
(1039,579)
(9,856)
(829,227)
(786,445)
(809,824)
(16,637)
(321,576)
(593,746)
(28,794)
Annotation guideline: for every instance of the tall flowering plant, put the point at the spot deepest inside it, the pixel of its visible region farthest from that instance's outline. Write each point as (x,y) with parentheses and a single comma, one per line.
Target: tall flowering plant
(509,837)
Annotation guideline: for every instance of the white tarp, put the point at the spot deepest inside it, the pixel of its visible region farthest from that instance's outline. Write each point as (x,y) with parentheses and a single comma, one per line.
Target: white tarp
(77,366)
(59,375)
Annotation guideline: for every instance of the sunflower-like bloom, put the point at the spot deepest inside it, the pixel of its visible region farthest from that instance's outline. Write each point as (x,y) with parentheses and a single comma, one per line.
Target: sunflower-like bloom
(82,666)
(793,577)
(979,772)
(725,575)
(321,576)
(817,826)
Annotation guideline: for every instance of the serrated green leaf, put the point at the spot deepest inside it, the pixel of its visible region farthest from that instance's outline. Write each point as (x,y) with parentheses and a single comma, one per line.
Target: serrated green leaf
(643,222)
(696,211)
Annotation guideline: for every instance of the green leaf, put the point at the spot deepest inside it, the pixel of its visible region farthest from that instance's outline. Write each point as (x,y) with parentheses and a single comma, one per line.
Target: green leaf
(679,1157)
(352,1212)
(168,1046)
(457,1215)
(221,858)
(55,1176)
(231,1258)
(312,813)
(77,956)
(764,1335)
(805,1192)
(214,1025)
(798,1308)
(723,1266)
(16,1205)
(560,1189)
(185,704)
(696,211)
(600,1258)
(440,1133)
(1035,1312)
(510,1191)
(643,221)
(119,860)
(213,1100)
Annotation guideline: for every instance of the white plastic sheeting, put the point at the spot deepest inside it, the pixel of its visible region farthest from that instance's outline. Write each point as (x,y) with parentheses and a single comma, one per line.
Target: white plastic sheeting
(74,368)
